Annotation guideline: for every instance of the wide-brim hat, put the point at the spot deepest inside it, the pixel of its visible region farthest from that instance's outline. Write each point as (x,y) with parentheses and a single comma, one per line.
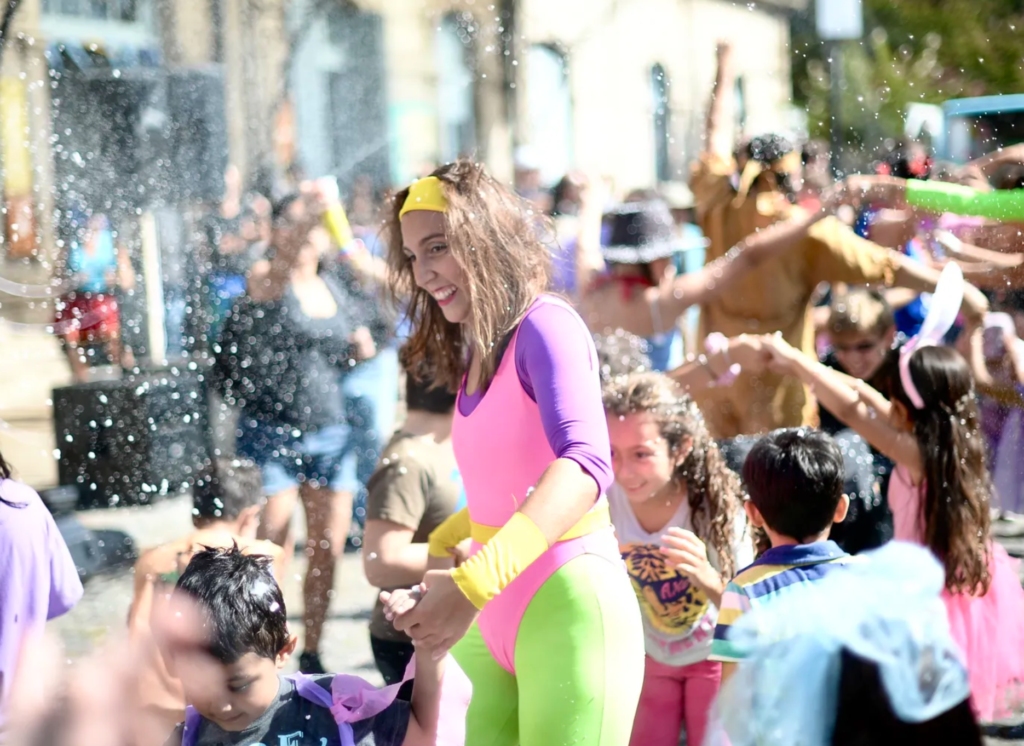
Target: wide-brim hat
(638,233)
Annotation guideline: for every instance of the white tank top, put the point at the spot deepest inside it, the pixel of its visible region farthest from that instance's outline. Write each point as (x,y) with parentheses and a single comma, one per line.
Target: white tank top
(679,620)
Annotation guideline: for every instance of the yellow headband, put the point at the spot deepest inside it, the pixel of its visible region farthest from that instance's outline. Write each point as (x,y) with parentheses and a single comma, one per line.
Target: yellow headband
(425,194)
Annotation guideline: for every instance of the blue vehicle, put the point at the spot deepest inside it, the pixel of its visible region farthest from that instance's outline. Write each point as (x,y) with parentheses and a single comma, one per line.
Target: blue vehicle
(975,126)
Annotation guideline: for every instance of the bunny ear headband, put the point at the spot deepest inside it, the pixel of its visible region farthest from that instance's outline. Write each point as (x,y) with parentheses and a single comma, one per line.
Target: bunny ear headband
(945,306)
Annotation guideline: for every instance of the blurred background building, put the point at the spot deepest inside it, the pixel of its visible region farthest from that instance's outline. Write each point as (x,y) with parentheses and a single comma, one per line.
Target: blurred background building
(134,108)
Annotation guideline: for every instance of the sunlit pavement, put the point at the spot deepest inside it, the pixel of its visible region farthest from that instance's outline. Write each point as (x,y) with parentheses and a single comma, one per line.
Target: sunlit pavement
(102,614)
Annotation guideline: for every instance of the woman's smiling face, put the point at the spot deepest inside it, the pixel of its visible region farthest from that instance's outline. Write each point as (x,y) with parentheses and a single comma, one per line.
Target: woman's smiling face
(433,267)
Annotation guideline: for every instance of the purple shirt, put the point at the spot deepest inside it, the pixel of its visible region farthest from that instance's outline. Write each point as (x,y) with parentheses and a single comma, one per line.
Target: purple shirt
(553,352)
(38,579)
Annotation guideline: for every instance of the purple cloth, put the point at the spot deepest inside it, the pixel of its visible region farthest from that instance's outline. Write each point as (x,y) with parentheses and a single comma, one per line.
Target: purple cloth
(555,350)
(350,700)
(38,579)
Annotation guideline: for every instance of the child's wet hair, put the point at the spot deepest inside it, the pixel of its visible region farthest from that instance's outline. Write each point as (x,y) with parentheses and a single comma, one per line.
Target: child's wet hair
(242,602)
(224,488)
(795,479)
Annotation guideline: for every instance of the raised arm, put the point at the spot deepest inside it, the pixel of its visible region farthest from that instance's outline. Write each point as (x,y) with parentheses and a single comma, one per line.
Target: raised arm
(915,276)
(425,705)
(718,135)
(696,288)
(715,368)
(989,163)
(966,252)
(655,310)
(973,350)
(852,401)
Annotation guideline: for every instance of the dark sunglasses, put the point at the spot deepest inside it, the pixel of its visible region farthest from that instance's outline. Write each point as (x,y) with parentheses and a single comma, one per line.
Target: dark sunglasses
(862,347)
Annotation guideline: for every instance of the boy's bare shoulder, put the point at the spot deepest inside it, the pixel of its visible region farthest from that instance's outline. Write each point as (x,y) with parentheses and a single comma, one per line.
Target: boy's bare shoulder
(171,559)
(161,560)
(262,546)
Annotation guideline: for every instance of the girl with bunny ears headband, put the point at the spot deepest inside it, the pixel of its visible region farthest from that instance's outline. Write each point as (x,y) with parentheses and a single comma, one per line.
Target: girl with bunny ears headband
(940,492)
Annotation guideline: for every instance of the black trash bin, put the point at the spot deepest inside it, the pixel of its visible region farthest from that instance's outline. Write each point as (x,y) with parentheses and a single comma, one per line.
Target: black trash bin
(134,440)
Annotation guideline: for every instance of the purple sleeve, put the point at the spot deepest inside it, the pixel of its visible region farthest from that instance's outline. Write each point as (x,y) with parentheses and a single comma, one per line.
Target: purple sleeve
(557,366)
(65,584)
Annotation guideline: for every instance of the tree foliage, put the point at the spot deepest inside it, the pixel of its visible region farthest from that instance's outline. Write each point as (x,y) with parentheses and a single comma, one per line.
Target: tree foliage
(925,51)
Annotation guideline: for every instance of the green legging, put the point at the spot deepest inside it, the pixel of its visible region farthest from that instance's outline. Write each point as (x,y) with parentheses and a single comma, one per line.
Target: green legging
(579,660)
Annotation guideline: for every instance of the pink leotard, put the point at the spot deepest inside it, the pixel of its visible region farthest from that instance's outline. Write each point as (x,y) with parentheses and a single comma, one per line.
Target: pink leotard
(503,447)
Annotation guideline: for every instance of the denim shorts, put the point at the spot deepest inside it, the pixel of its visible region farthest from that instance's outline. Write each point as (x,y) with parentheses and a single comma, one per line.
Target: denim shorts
(288,457)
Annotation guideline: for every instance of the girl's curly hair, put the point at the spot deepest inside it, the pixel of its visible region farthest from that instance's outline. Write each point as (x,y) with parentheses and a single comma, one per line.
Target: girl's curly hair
(712,488)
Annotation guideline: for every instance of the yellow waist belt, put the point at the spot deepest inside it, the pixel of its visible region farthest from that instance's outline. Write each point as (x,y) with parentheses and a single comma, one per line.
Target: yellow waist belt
(595,520)
(458,527)
(505,552)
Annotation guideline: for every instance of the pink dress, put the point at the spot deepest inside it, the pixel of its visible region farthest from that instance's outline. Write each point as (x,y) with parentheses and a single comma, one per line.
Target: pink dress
(989,629)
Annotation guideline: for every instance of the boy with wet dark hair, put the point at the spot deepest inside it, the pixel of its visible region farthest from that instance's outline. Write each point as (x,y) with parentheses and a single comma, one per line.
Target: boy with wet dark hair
(237,694)
(794,477)
(227,500)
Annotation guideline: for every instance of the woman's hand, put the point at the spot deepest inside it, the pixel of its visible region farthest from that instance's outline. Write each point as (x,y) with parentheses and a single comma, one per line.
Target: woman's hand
(689,555)
(442,617)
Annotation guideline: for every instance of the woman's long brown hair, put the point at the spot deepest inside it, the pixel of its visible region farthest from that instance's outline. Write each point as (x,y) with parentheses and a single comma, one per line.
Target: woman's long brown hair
(713,489)
(957,489)
(492,234)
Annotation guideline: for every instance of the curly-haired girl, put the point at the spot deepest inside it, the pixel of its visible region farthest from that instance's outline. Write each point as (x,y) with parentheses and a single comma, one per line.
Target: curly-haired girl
(678,514)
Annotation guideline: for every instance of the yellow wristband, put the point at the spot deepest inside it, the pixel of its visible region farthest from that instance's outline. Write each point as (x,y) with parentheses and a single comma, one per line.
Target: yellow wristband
(488,572)
(449,534)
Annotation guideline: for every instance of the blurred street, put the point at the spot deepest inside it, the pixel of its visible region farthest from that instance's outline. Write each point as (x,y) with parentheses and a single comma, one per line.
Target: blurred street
(101,615)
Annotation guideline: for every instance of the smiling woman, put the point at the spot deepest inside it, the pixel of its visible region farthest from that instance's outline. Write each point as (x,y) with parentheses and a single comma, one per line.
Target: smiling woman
(462,231)
(542,612)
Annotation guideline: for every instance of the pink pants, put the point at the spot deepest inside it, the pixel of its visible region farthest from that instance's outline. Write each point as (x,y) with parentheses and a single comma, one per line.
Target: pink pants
(674,696)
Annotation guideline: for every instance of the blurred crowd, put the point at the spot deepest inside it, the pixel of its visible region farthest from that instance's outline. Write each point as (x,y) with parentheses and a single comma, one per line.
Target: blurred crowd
(871,325)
